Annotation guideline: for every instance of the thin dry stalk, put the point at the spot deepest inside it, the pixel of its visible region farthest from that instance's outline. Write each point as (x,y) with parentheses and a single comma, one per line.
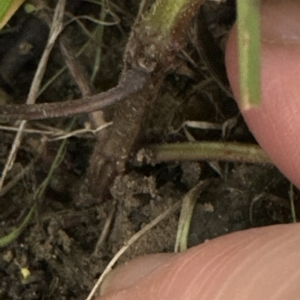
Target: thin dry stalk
(77,71)
(32,130)
(186,212)
(56,28)
(106,229)
(81,78)
(81,131)
(16,179)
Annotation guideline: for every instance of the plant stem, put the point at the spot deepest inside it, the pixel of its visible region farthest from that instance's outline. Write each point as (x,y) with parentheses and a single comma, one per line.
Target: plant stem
(169,19)
(234,152)
(248,14)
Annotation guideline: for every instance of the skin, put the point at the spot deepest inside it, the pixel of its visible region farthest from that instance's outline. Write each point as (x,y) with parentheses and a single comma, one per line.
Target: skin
(275,123)
(255,264)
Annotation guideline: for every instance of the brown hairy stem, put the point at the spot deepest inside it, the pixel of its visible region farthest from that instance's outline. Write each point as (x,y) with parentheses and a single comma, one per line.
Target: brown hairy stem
(132,81)
(109,158)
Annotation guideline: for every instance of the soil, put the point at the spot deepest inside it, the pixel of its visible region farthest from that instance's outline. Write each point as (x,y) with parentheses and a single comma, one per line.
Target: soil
(65,247)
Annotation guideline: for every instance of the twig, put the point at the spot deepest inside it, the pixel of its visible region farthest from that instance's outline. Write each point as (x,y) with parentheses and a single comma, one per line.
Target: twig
(80,75)
(54,32)
(77,71)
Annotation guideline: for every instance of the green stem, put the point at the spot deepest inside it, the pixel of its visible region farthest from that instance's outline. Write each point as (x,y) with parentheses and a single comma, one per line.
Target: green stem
(248,16)
(169,19)
(234,152)
(165,13)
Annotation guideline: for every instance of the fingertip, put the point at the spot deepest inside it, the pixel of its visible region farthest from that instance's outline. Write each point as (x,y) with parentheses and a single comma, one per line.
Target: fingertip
(274,123)
(128,274)
(238,266)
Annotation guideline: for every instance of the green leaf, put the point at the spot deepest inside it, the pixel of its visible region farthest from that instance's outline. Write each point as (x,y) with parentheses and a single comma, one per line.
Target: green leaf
(7,9)
(4,6)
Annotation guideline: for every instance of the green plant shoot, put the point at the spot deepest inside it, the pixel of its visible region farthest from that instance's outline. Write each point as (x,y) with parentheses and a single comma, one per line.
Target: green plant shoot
(169,17)
(248,22)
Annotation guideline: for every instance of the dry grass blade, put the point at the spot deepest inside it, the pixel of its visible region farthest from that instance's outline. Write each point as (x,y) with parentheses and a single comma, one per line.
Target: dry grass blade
(292,203)
(186,212)
(106,229)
